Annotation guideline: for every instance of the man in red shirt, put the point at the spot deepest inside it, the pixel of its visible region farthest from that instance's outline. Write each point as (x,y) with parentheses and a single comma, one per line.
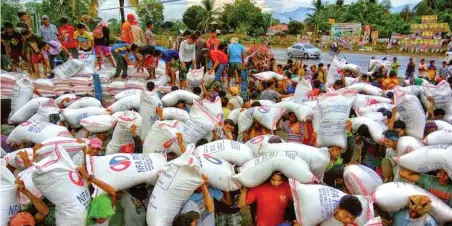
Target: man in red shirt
(213,42)
(220,61)
(66,35)
(271,197)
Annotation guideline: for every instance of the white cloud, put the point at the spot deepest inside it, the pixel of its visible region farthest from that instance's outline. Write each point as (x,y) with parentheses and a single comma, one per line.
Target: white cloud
(174,10)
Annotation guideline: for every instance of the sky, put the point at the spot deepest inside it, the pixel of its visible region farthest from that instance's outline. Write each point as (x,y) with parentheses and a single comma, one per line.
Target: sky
(174,10)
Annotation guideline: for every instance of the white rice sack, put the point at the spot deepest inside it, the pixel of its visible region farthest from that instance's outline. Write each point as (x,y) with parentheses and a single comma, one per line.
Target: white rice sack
(256,171)
(246,119)
(98,123)
(22,93)
(36,132)
(331,114)
(374,108)
(214,109)
(123,171)
(268,117)
(9,204)
(121,134)
(85,102)
(219,172)
(376,129)
(316,158)
(439,137)
(257,143)
(411,113)
(412,90)
(334,72)
(26,111)
(234,115)
(44,82)
(361,180)
(162,80)
(428,158)
(171,113)
(126,103)
(126,93)
(377,117)
(350,81)
(303,91)
(74,116)
(70,145)
(72,99)
(68,69)
(172,98)
(201,123)
(85,72)
(27,177)
(46,108)
(355,69)
(366,88)
(441,94)
(377,221)
(161,136)
(316,203)
(366,100)
(265,76)
(14,160)
(208,79)
(57,179)
(149,101)
(195,76)
(443,125)
(302,111)
(117,84)
(392,197)
(408,144)
(179,179)
(88,59)
(229,150)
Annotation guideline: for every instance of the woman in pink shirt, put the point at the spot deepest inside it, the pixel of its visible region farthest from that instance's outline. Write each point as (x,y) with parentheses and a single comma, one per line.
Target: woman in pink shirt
(54,49)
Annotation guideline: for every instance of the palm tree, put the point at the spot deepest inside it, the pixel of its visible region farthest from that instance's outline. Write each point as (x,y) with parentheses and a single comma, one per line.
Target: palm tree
(406,13)
(210,14)
(318,4)
(425,6)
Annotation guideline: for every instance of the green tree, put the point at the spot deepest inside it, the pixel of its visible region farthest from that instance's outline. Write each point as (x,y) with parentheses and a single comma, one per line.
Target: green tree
(295,27)
(210,14)
(339,2)
(9,11)
(244,11)
(193,16)
(151,10)
(114,26)
(386,4)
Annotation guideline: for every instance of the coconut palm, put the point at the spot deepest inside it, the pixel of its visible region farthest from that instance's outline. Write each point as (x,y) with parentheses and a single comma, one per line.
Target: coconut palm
(94,5)
(210,14)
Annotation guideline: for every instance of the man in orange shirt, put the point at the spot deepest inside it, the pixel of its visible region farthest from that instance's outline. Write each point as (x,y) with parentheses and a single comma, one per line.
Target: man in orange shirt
(126,29)
(213,42)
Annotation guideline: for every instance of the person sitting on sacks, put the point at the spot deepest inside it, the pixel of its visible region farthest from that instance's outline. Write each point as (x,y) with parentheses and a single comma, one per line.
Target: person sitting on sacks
(419,207)
(348,209)
(25,218)
(187,219)
(440,186)
(293,128)
(391,137)
(437,114)
(272,198)
(201,201)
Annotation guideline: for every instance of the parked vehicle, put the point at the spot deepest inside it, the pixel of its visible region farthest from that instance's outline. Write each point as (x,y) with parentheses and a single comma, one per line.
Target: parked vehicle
(304,50)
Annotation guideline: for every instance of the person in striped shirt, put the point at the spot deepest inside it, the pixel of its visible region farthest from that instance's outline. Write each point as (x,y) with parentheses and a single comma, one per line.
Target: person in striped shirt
(293,128)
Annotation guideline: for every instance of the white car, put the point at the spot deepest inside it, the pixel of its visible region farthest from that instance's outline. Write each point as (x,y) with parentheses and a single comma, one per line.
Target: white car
(304,50)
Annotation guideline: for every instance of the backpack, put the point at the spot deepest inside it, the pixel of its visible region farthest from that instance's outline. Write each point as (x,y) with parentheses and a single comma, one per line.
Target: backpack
(98,32)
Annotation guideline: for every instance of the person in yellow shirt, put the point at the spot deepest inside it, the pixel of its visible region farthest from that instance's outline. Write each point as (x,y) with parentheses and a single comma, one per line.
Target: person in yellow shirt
(390,82)
(83,39)
(321,74)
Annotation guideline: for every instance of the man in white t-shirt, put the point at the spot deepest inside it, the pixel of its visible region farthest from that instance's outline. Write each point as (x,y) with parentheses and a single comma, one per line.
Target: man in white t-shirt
(148,34)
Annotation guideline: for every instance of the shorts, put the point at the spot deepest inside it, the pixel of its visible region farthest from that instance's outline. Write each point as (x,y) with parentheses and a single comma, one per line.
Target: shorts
(15,55)
(149,61)
(234,219)
(36,58)
(233,67)
(105,50)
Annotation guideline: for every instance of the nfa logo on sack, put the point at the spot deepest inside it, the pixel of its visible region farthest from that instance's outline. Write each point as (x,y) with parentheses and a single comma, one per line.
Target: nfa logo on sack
(257,140)
(263,109)
(76,178)
(119,163)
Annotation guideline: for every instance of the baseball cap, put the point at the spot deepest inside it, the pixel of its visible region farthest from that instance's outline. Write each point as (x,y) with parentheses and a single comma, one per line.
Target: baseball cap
(45,17)
(95,142)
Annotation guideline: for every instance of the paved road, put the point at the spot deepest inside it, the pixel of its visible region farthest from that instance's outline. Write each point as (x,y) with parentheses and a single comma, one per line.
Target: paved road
(361,59)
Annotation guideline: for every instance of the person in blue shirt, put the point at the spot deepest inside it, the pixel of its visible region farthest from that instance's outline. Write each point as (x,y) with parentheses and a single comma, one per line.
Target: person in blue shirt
(168,55)
(121,52)
(419,207)
(236,59)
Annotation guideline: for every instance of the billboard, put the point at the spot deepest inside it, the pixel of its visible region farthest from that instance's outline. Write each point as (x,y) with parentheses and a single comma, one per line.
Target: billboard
(346,31)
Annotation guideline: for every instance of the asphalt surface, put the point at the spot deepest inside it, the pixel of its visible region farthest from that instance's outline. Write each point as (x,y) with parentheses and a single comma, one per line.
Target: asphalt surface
(360,59)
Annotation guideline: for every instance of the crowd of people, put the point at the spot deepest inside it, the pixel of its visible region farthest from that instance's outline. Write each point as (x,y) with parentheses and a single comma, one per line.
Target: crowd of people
(235,83)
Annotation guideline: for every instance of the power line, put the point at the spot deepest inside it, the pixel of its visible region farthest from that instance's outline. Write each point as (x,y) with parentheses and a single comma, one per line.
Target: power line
(165,1)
